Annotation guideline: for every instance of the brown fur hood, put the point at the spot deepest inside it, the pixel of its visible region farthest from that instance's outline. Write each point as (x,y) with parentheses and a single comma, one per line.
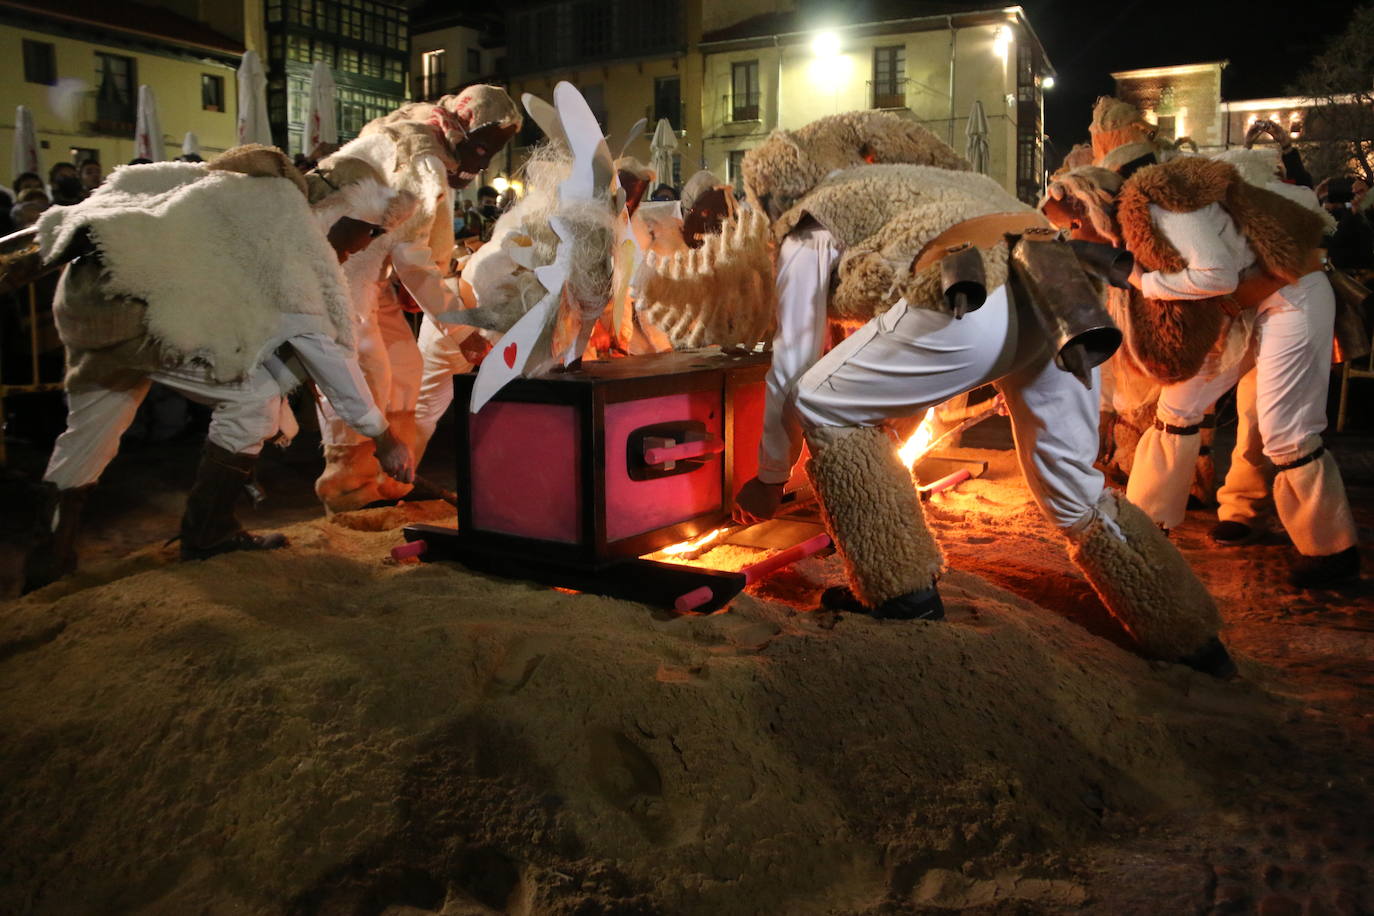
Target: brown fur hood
(1281,232)
(1171,338)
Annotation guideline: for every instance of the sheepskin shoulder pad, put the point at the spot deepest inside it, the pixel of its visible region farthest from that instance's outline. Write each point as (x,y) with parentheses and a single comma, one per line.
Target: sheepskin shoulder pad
(854,204)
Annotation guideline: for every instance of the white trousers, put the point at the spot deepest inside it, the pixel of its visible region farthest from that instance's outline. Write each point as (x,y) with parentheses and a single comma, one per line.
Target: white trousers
(443,359)
(390,360)
(1292,354)
(246,414)
(909,359)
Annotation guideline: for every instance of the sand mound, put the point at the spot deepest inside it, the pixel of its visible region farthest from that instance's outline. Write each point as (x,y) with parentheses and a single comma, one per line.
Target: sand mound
(319,729)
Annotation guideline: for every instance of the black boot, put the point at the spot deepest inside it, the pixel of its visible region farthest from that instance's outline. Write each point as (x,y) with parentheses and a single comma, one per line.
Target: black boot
(1232,534)
(1326,572)
(920,605)
(52,553)
(1212,659)
(209,526)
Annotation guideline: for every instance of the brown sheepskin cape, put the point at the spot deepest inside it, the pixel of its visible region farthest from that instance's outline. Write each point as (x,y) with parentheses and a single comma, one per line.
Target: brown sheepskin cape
(1172,337)
(883,216)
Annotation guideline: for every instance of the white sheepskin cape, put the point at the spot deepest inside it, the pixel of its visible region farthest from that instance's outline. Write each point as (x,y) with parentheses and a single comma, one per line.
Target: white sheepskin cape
(217,256)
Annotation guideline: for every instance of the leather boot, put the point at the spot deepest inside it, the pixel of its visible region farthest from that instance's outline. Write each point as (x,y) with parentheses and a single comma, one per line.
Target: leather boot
(209,526)
(52,554)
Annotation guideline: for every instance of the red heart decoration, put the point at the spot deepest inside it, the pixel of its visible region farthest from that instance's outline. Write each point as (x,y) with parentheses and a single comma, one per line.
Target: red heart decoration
(509,354)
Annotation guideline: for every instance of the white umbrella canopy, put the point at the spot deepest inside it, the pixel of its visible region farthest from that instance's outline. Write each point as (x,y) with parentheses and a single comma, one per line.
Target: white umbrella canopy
(321,123)
(661,149)
(190,146)
(977,134)
(147,128)
(24,157)
(252,84)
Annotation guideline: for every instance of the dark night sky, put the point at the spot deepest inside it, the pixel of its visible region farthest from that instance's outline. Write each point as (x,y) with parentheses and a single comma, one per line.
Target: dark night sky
(1267,43)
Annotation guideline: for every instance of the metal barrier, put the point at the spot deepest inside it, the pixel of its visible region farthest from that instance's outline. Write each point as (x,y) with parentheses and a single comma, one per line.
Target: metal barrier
(36,384)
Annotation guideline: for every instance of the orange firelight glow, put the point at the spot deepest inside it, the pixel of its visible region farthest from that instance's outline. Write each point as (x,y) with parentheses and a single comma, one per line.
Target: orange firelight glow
(918,443)
(690,546)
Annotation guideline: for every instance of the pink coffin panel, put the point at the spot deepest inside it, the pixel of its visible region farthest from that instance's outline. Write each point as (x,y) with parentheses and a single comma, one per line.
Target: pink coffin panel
(748,407)
(636,506)
(526,471)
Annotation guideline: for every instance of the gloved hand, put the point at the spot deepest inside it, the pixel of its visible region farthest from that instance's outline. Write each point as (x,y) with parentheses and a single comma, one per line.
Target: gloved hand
(395,457)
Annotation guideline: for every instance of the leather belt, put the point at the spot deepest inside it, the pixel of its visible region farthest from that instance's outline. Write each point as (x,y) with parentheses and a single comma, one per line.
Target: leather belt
(981,231)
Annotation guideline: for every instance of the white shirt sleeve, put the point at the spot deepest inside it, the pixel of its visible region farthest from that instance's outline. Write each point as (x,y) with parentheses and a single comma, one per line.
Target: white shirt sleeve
(341,381)
(1213,249)
(807,257)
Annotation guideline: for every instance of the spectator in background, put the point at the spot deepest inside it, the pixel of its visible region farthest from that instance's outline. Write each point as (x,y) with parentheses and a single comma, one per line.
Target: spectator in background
(58,172)
(1351,245)
(32,203)
(481,220)
(1293,169)
(190,157)
(26,180)
(67,190)
(140,161)
(91,175)
(664,192)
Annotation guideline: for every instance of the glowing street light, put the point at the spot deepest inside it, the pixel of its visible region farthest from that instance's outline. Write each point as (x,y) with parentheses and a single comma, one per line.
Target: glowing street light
(825,44)
(1001,41)
(1047,83)
(500,184)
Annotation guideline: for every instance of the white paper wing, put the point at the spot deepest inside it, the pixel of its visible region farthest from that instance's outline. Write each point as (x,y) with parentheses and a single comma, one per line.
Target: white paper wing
(635,133)
(513,352)
(592,166)
(546,116)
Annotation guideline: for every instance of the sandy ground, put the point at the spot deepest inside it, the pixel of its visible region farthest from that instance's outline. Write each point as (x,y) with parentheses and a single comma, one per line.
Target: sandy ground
(323,730)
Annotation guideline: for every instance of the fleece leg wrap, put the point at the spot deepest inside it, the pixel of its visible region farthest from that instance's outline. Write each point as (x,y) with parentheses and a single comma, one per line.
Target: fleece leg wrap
(1143,580)
(1162,472)
(872,512)
(350,477)
(1312,505)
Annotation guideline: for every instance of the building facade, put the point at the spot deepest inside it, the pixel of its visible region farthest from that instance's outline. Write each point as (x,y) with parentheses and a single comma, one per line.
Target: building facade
(630,60)
(365,43)
(727,74)
(450,49)
(1182,101)
(1186,101)
(78,71)
(770,72)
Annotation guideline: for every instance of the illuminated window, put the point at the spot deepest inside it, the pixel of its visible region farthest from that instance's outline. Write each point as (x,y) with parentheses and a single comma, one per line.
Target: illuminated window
(40,63)
(668,101)
(432,76)
(744,91)
(115,101)
(889,77)
(211,92)
(734,168)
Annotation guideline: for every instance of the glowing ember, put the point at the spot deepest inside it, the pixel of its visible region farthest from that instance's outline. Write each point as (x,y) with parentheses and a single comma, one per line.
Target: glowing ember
(690,546)
(916,445)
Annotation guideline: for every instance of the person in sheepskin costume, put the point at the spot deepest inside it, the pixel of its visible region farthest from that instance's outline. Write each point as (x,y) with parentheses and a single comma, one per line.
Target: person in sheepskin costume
(1210,245)
(427,149)
(219,281)
(863,197)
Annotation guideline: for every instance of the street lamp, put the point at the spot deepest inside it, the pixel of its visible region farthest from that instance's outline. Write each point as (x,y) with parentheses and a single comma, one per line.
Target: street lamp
(825,44)
(1001,41)
(1047,83)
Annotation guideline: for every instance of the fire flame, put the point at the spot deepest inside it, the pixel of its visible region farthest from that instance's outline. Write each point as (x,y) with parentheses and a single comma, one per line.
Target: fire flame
(916,445)
(689,546)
